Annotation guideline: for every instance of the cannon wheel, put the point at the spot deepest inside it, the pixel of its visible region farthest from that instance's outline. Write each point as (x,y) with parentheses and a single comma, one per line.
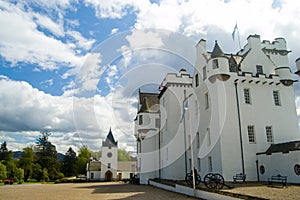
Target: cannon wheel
(189,179)
(219,181)
(214,181)
(209,180)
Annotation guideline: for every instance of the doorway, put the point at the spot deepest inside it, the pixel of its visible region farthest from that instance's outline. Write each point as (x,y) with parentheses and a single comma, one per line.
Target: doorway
(108,176)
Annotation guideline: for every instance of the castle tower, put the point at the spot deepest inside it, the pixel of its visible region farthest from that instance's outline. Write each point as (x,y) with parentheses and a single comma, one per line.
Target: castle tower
(109,159)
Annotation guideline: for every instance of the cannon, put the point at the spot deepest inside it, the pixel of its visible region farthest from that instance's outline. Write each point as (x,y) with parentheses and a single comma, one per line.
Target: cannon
(211,180)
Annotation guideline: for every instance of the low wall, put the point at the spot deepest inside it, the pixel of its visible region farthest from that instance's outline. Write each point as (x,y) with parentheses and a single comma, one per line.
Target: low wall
(190,192)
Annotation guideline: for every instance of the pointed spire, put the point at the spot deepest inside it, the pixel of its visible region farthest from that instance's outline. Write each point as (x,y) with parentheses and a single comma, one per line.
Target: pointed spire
(110,139)
(217,52)
(144,108)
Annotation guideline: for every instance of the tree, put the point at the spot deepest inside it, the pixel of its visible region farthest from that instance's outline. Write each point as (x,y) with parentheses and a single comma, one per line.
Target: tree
(3,151)
(123,155)
(46,156)
(26,162)
(83,157)
(3,173)
(69,163)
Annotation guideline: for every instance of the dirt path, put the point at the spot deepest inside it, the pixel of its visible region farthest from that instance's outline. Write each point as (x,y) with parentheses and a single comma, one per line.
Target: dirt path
(85,191)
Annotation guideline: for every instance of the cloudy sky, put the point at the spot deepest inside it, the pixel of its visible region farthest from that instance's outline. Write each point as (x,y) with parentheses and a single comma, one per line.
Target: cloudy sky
(74,66)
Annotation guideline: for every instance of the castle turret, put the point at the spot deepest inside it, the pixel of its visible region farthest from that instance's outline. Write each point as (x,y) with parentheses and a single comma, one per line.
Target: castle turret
(218,65)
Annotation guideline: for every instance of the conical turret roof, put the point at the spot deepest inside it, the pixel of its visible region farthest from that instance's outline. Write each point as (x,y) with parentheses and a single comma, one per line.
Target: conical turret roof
(217,52)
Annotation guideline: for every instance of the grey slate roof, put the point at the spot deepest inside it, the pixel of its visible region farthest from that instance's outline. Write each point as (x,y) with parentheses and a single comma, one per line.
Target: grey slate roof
(283,147)
(217,52)
(94,166)
(110,140)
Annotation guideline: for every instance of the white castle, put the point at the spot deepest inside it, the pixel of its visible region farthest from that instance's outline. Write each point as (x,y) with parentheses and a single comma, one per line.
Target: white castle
(236,114)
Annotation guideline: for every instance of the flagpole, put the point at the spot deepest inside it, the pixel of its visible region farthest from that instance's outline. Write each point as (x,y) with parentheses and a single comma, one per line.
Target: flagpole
(238,32)
(190,140)
(236,29)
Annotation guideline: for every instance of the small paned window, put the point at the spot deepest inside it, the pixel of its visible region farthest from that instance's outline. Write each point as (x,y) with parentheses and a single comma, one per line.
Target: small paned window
(251,134)
(197,80)
(215,64)
(199,164)
(206,101)
(140,119)
(208,137)
(247,96)
(204,73)
(198,140)
(210,165)
(276,98)
(259,69)
(269,134)
(157,122)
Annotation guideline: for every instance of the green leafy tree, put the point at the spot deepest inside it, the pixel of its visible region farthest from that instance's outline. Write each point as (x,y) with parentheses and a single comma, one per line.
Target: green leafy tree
(20,174)
(123,155)
(69,163)
(3,173)
(26,162)
(46,156)
(83,157)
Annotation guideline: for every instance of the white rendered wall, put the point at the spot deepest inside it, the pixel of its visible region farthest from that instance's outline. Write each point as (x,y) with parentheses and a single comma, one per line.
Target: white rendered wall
(112,160)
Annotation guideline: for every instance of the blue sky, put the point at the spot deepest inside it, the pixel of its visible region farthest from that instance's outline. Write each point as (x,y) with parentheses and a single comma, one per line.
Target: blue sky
(74,66)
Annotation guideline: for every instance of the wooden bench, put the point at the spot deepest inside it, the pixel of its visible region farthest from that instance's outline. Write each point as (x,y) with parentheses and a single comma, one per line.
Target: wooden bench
(240,176)
(278,178)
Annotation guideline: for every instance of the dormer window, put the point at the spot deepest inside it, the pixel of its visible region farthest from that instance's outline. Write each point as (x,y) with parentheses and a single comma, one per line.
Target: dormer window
(140,119)
(215,64)
(259,69)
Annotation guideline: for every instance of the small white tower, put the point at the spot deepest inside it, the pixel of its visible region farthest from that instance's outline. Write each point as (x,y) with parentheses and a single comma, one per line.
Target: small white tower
(109,158)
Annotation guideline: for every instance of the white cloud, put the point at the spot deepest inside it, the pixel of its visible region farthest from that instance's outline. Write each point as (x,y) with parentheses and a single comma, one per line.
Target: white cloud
(24,111)
(81,42)
(45,22)
(114,30)
(21,41)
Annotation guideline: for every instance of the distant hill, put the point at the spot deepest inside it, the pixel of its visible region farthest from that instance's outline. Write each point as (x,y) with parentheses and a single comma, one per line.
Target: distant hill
(18,154)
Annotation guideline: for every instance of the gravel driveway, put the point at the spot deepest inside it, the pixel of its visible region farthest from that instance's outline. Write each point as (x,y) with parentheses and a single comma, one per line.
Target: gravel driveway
(86,191)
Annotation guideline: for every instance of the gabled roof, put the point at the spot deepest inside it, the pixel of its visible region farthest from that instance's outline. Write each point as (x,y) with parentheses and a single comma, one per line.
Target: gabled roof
(283,147)
(149,102)
(217,52)
(94,166)
(110,140)
(144,108)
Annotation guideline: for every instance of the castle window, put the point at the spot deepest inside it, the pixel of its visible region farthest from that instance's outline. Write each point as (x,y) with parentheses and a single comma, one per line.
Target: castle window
(259,69)
(108,165)
(204,73)
(208,137)
(206,100)
(210,165)
(198,140)
(269,134)
(157,123)
(197,80)
(215,64)
(199,164)
(251,134)
(276,98)
(247,96)
(140,119)
(232,68)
